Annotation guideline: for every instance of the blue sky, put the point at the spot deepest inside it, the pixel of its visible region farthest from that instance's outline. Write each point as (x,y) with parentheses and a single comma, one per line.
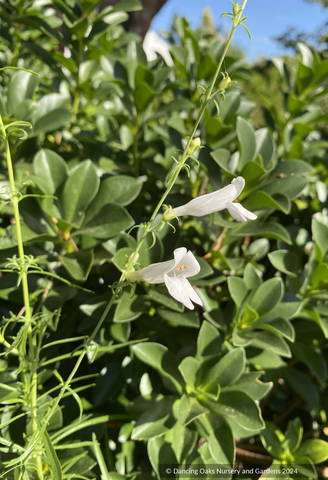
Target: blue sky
(266,19)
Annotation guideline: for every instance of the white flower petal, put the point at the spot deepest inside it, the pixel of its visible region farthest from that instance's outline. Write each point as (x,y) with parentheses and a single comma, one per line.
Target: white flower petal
(212,202)
(239,213)
(179,254)
(191,293)
(155,273)
(152,274)
(181,290)
(177,290)
(191,263)
(239,183)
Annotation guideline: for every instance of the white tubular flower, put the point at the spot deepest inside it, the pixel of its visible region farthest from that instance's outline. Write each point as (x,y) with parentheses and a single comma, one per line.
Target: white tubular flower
(216,201)
(174,274)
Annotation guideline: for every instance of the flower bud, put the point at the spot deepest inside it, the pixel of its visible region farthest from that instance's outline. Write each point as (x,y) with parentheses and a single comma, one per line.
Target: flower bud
(195,145)
(235,9)
(225,83)
(136,257)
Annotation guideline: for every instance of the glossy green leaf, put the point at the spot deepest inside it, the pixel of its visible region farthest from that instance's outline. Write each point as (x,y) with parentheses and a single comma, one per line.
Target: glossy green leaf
(162,359)
(230,105)
(21,87)
(155,421)
(79,191)
(247,142)
(78,264)
(237,408)
(268,295)
(52,458)
(108,222)
(238,290)
(320,275)
(291,186)
(143,75)
(270,341)
(252,276)
(189,409)
(284,261)
(282,310)
(222,158)
(160,452)
(130,307)
(220,440)
(268,230)
(165,299)
(293,167)
(143,96)
(265,145)
(271,438)
(189,368)
(281,327)
(179,53)
(51,168)
(127,6)
(259,200)
(316,449)
(51,113)
(250,316)
(208,342)
(320,234)
(258,249)
(294,434)
(227,370)
(190,319)
(183,440)
(250,384)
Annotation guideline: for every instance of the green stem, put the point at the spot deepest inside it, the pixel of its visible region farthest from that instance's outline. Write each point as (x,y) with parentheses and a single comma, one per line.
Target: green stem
(14,200)
(135,155)
(33,383)
(148,227)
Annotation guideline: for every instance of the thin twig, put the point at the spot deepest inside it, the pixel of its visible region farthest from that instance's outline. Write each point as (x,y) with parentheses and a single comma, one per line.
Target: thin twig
(44,296)
(279,418)
(202,189)
(252,457)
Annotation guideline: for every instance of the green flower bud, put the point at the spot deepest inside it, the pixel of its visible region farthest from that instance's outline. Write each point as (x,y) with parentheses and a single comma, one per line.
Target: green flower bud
(235,9)
(195,145)
(225,83)
(131,269)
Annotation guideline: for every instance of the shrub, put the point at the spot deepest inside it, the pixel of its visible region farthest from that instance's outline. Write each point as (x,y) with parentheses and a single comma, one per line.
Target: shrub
(104,377)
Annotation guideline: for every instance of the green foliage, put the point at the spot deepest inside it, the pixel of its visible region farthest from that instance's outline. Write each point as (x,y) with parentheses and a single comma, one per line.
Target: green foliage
(321,2)
(159,383)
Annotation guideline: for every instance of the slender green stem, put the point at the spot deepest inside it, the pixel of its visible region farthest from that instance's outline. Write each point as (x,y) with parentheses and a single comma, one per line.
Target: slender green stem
(148,226)
(135,148)
(33,382)
(14,200)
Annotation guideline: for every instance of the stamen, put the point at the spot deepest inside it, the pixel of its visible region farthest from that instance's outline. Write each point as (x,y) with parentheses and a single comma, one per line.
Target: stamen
(183,268)
(177,267)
